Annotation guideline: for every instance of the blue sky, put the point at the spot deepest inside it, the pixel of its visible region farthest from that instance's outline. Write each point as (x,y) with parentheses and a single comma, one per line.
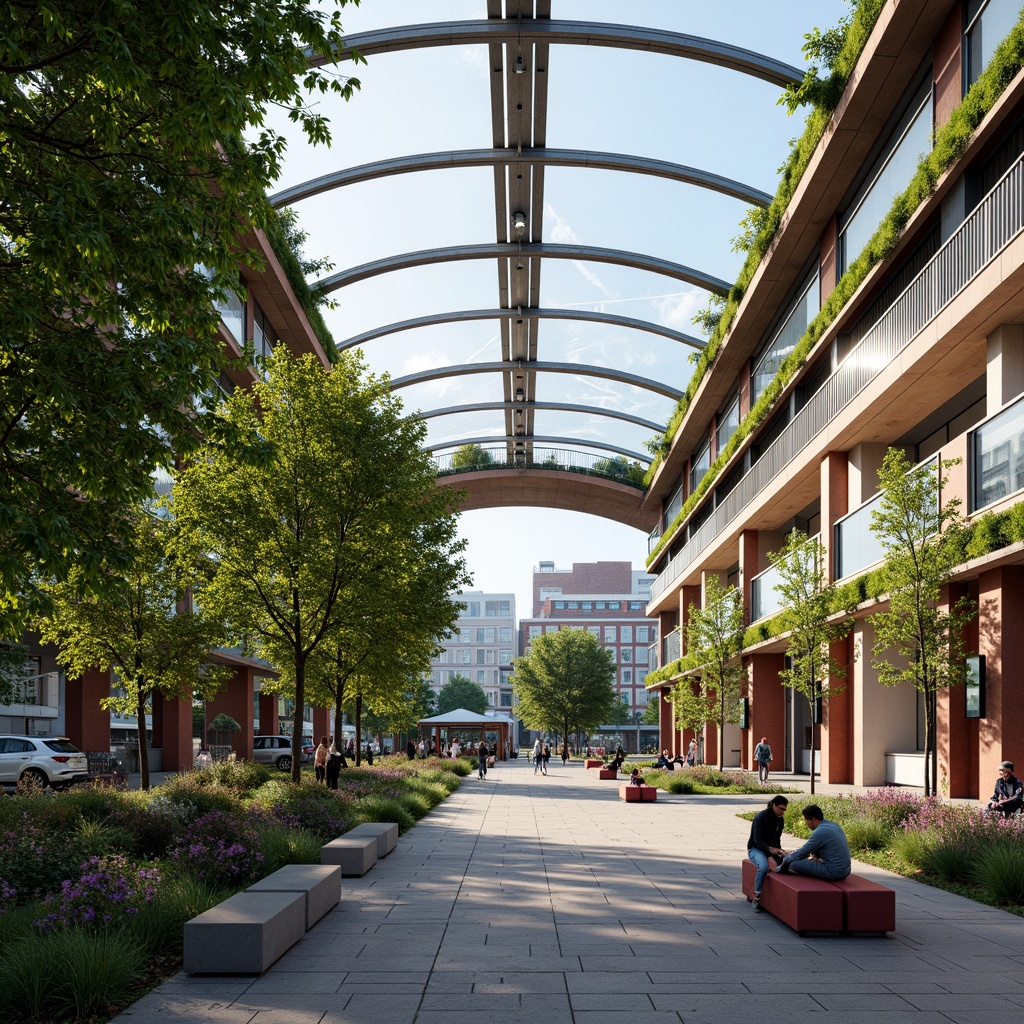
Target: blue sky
(599,99)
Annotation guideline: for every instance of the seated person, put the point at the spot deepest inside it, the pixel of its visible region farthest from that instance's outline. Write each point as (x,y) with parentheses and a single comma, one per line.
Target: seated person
(665,761)
(1009,793)
(827,845)
(616,762)
(635,778)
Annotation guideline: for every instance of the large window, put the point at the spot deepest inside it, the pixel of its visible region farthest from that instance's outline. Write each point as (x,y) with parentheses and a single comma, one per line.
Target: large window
(890,174)
(997,457)
(988,23)
(494,609)
(783,341)
(264,337)
(609,634)
(728,422)
(700,463)
(505,635)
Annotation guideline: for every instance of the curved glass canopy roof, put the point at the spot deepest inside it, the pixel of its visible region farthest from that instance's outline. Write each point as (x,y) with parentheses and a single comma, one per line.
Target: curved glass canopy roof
(526,296)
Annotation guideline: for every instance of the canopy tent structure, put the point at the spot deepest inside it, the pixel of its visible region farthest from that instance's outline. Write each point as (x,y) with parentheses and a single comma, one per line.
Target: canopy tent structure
(462,725)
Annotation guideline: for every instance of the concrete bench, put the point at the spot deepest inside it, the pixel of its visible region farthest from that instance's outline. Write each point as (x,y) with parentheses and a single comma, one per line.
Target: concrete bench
(607,773)
(385,831)
(355,854)
(637,794)
(852,905)
(320,884)
(245,934)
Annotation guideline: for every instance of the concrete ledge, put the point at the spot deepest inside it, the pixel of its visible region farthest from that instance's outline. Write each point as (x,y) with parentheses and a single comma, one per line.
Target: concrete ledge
(355,854)
(245,934)
(385,831)
(319,883)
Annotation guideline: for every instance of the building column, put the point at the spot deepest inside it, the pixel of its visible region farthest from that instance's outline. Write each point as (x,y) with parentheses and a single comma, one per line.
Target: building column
(1001,641)
(836,728)
(957,735)
(1004,366)
(884,717)
(235,699)
(767,707)
(834,501)
(172,731)
(321,723)
(86,724)
(270,724)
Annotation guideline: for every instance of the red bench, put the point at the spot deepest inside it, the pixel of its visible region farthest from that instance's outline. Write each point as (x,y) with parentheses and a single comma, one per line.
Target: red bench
(854,904)
(593,762)
(607,773)
(637,794)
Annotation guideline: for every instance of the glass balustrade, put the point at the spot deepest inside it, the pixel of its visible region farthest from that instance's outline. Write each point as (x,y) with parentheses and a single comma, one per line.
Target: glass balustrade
(997,456)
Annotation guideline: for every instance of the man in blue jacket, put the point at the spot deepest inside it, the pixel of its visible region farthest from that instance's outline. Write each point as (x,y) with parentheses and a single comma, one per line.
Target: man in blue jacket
(828,848)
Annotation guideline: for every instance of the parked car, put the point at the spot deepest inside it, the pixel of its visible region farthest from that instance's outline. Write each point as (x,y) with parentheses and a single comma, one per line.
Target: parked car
(275,750)
(51,760)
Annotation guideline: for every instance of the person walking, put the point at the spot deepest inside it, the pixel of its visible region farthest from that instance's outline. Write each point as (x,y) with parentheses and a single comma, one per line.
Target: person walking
(333,769)
(481,759)
(762,755)
(546,758)
(538,755)
(765,837)
(320,760)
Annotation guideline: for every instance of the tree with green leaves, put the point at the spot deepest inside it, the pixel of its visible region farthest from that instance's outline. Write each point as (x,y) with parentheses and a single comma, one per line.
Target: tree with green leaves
(714,639)
(133,171)
(471,456)
(807,597)
(919,637)
(142,625)
(346,499)
(652,713)
(461,692)
(564,684)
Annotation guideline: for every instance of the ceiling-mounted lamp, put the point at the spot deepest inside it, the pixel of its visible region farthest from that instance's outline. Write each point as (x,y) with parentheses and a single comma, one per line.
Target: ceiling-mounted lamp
(520,444)
(519,67)
(519,223)
(520,395)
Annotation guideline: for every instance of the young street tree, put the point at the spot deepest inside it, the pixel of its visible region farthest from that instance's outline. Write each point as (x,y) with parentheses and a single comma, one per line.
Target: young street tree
(807,597)
(714,639)
(121,226)
(348,497)
(564,684)
(923,544)
(141,625)
(461,692)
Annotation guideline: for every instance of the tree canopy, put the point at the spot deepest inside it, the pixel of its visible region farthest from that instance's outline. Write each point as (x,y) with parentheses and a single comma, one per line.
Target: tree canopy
(919,638)
(564,684)
(347,502)
(142,626)
(461,692)
(133,160)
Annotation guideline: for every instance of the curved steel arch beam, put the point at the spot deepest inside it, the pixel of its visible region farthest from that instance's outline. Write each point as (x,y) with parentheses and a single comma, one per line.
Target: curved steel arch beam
(534,439)
(513,250)
(544,406)
(545,157)
(575,33)
(505,366)
(613,319)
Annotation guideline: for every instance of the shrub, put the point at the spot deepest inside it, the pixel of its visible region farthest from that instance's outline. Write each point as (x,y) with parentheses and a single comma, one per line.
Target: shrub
(100,837)
(385,808)
(912,848)
(237,776)
(868,834)
(69,973)
(199,796)
(417,804)
(221,849)
(999,870)
(281,844)
(449,781)
(33,860)
(325,813)
(946,862)
(106,892)
(154,824)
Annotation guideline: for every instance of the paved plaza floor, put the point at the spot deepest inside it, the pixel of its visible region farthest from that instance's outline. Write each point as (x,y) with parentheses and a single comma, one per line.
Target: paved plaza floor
(532,899)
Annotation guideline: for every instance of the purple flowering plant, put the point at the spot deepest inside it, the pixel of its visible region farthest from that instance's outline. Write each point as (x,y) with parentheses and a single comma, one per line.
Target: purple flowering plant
(108,891)
(220,848)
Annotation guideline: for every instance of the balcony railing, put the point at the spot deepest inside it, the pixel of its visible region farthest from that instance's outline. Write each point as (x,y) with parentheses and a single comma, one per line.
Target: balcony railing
(996,221)
(997,456)
(765,600)
(564,460)
(667,650)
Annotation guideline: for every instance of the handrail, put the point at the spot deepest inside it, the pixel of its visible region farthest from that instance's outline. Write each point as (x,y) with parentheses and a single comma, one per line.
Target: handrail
(988,229)
(560,459)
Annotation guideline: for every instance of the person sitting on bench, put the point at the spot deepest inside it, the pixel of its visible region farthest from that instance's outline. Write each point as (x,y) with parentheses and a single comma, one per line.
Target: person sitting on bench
(635,778)
(665,761)
(828,848)
(1009,794)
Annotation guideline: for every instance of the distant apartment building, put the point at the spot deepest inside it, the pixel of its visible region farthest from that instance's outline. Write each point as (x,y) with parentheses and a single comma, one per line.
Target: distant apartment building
(481,648)
(609,600)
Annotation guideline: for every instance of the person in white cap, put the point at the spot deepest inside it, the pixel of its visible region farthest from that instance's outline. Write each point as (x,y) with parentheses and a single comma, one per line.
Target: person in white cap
(1009,794)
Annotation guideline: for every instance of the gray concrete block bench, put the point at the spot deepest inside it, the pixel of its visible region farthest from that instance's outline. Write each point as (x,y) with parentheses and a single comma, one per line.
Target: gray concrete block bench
(386,833)
(250,930)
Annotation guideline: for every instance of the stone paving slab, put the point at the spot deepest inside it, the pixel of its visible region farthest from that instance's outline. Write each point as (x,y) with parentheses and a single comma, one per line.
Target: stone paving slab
(529,898)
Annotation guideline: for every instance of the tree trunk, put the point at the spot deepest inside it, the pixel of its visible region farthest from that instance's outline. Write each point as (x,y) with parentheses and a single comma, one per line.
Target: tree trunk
(721,730)
(140,713)
(339,718)
(359,729)
(299,716)
(811,702)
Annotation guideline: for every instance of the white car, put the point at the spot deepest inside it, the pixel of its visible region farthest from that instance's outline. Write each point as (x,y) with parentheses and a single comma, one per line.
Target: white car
(275,750)
(51,760)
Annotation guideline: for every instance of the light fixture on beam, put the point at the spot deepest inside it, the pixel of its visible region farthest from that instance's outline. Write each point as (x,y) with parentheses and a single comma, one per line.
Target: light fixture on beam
(519,223)
(519,67)
(520,395)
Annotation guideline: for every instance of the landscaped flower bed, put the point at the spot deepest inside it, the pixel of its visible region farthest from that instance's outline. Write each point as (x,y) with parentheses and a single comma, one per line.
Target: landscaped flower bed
(703,778)
(951,846)
(96,884)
